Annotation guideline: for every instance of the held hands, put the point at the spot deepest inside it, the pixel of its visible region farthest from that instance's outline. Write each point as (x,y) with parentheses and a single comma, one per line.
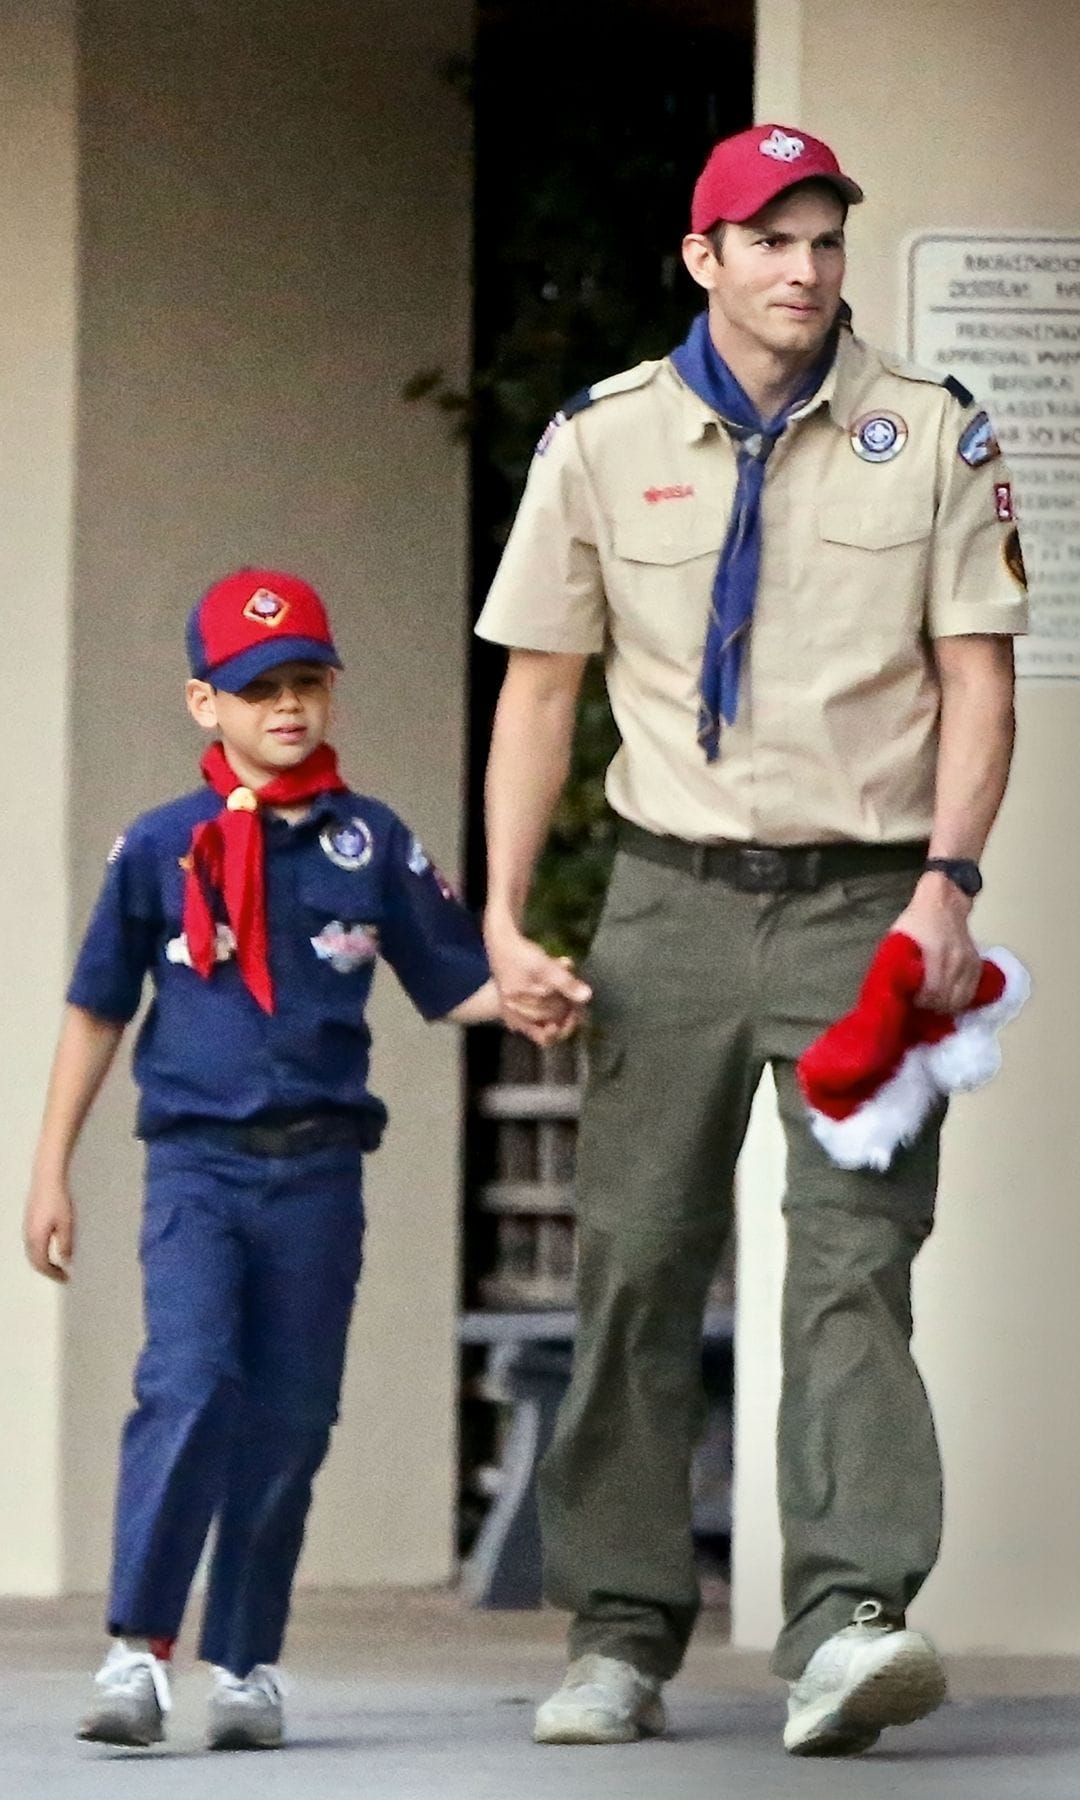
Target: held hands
(540,996)
(49,1228)
(937,918)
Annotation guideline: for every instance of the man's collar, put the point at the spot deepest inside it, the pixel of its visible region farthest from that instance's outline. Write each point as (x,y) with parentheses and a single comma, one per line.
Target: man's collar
(836,392)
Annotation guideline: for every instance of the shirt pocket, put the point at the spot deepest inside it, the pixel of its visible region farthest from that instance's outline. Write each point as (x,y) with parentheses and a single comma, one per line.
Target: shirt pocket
(341,921)
(660,580)
(874,566)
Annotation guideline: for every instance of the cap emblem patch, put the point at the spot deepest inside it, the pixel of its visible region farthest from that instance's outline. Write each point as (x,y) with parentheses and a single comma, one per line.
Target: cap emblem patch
(266,608)
(781,147)
(878,437)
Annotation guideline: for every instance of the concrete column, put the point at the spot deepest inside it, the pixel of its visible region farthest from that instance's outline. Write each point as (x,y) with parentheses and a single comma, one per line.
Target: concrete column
(958,113)
(37,379)
(269,209)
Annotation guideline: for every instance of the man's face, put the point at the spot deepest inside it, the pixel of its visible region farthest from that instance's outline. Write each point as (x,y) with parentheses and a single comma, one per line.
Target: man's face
(274,722)
(776,285)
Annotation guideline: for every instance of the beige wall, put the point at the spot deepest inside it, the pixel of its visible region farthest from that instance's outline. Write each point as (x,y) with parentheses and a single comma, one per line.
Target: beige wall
(960,113)
(274,234)
(37,384)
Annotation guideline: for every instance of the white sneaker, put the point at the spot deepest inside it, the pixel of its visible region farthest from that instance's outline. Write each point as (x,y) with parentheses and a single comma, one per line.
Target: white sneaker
(245,1713)
(135,1699)
(869,1675)
(601,1701)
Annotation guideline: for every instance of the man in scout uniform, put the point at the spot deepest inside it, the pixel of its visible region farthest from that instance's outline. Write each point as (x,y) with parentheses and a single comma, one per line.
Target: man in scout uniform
(258,904)
(797,556)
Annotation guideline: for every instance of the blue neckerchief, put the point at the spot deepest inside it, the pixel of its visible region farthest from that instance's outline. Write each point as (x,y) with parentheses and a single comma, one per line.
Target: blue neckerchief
(704,370)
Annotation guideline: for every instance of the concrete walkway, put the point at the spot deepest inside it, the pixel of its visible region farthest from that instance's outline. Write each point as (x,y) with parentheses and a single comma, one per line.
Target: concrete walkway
(416,1698)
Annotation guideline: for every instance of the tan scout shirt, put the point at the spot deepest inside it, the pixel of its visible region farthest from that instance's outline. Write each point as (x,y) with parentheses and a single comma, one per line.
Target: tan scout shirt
(615,548)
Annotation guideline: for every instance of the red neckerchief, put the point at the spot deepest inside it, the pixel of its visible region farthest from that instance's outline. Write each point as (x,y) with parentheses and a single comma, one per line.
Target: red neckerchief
(227,855)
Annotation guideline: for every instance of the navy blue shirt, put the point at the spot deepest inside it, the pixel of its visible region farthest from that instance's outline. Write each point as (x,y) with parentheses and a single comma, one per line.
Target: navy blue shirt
(348,883)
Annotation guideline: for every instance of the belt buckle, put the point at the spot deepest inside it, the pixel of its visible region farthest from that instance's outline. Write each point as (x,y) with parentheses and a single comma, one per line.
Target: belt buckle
(810,871)
(762,869)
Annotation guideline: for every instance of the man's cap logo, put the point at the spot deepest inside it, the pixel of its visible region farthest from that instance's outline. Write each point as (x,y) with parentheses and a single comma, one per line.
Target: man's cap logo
(782,147)
(266,608)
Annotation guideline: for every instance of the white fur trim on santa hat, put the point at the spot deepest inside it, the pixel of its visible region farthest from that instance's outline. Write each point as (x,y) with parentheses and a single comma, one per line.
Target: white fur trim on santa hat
(971,1054)
(869,1137)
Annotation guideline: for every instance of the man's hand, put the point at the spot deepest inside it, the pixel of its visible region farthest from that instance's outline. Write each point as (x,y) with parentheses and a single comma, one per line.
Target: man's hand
(49,1228)
(937,919)
(540,996)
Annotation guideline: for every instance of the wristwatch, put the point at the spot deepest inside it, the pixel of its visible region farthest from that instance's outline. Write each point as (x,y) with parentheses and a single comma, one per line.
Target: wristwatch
(960,870)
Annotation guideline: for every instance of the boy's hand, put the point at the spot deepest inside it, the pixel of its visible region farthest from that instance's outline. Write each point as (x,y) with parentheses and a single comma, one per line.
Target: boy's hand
(541,997)
(49,1229)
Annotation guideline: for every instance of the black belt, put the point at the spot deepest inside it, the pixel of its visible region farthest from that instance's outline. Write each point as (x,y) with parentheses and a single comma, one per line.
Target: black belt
(772,868)
(297,1136)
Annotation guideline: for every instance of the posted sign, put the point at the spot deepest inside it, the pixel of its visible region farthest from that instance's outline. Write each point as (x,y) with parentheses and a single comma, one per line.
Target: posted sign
(1002,314)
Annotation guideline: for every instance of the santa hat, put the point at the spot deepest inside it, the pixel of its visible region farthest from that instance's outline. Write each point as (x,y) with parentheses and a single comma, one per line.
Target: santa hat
(872,1079)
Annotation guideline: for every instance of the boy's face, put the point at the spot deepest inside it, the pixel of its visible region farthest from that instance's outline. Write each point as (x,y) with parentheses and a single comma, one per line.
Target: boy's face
(273,723)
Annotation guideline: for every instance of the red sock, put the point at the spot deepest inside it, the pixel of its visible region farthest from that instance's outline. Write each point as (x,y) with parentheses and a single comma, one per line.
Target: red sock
(162,1648)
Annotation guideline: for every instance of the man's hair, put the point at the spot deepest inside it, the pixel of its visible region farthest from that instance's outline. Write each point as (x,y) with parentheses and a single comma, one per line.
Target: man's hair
(715,234)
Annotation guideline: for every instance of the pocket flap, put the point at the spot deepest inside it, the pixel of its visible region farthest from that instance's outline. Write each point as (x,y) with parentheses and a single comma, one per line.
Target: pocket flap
(649,540)
(873,528)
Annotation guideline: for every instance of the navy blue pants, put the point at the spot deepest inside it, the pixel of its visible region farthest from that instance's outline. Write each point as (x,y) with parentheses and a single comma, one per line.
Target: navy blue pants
(250,1265)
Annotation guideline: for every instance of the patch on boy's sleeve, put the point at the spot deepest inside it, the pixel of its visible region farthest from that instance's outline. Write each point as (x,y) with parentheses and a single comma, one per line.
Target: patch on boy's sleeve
(117,849)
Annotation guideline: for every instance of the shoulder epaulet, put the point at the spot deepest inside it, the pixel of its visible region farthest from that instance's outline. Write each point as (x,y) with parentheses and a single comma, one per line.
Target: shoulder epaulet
(622,383)
(625,381)
(909,371)
(959,391)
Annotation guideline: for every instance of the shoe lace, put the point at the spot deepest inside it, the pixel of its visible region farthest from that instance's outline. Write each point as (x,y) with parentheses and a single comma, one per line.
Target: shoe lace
(122,1666)
(263,1679)
(870,1612)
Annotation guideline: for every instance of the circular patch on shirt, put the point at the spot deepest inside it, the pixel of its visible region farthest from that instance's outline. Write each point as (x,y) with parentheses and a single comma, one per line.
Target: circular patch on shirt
(348,846)
(1014,559)
(878,437)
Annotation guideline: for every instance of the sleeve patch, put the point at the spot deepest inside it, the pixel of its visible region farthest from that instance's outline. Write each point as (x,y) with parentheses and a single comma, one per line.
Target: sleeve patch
(977,443)
(1003,501)
(959,391)
(418,859)
(116,851)
(1014,559)
(576,403)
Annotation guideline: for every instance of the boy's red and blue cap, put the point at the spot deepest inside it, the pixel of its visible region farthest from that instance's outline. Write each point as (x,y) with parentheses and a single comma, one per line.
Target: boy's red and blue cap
(252,621)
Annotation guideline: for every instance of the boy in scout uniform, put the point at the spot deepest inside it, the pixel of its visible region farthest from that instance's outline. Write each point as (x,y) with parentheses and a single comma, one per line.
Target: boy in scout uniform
(797,556)
(258,904)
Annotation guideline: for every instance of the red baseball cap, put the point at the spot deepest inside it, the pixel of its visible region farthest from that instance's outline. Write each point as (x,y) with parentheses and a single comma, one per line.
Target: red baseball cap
(745,172)
(255,620)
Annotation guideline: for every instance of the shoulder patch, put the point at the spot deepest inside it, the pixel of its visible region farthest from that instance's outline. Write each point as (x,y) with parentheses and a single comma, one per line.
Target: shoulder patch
(959,391)
(576,403)
(978,443)
(116,851)
(623,383)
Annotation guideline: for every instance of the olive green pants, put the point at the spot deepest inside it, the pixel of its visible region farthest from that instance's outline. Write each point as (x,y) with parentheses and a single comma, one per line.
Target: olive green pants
(698,987)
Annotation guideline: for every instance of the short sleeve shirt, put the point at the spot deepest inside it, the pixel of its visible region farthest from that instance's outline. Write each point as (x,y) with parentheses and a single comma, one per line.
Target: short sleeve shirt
(345,886)
(887,521)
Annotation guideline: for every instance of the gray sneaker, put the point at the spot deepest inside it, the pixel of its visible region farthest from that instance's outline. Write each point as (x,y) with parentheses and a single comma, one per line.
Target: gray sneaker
(601,1701)
(134,1699)
(869,1675)
(245,1713)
